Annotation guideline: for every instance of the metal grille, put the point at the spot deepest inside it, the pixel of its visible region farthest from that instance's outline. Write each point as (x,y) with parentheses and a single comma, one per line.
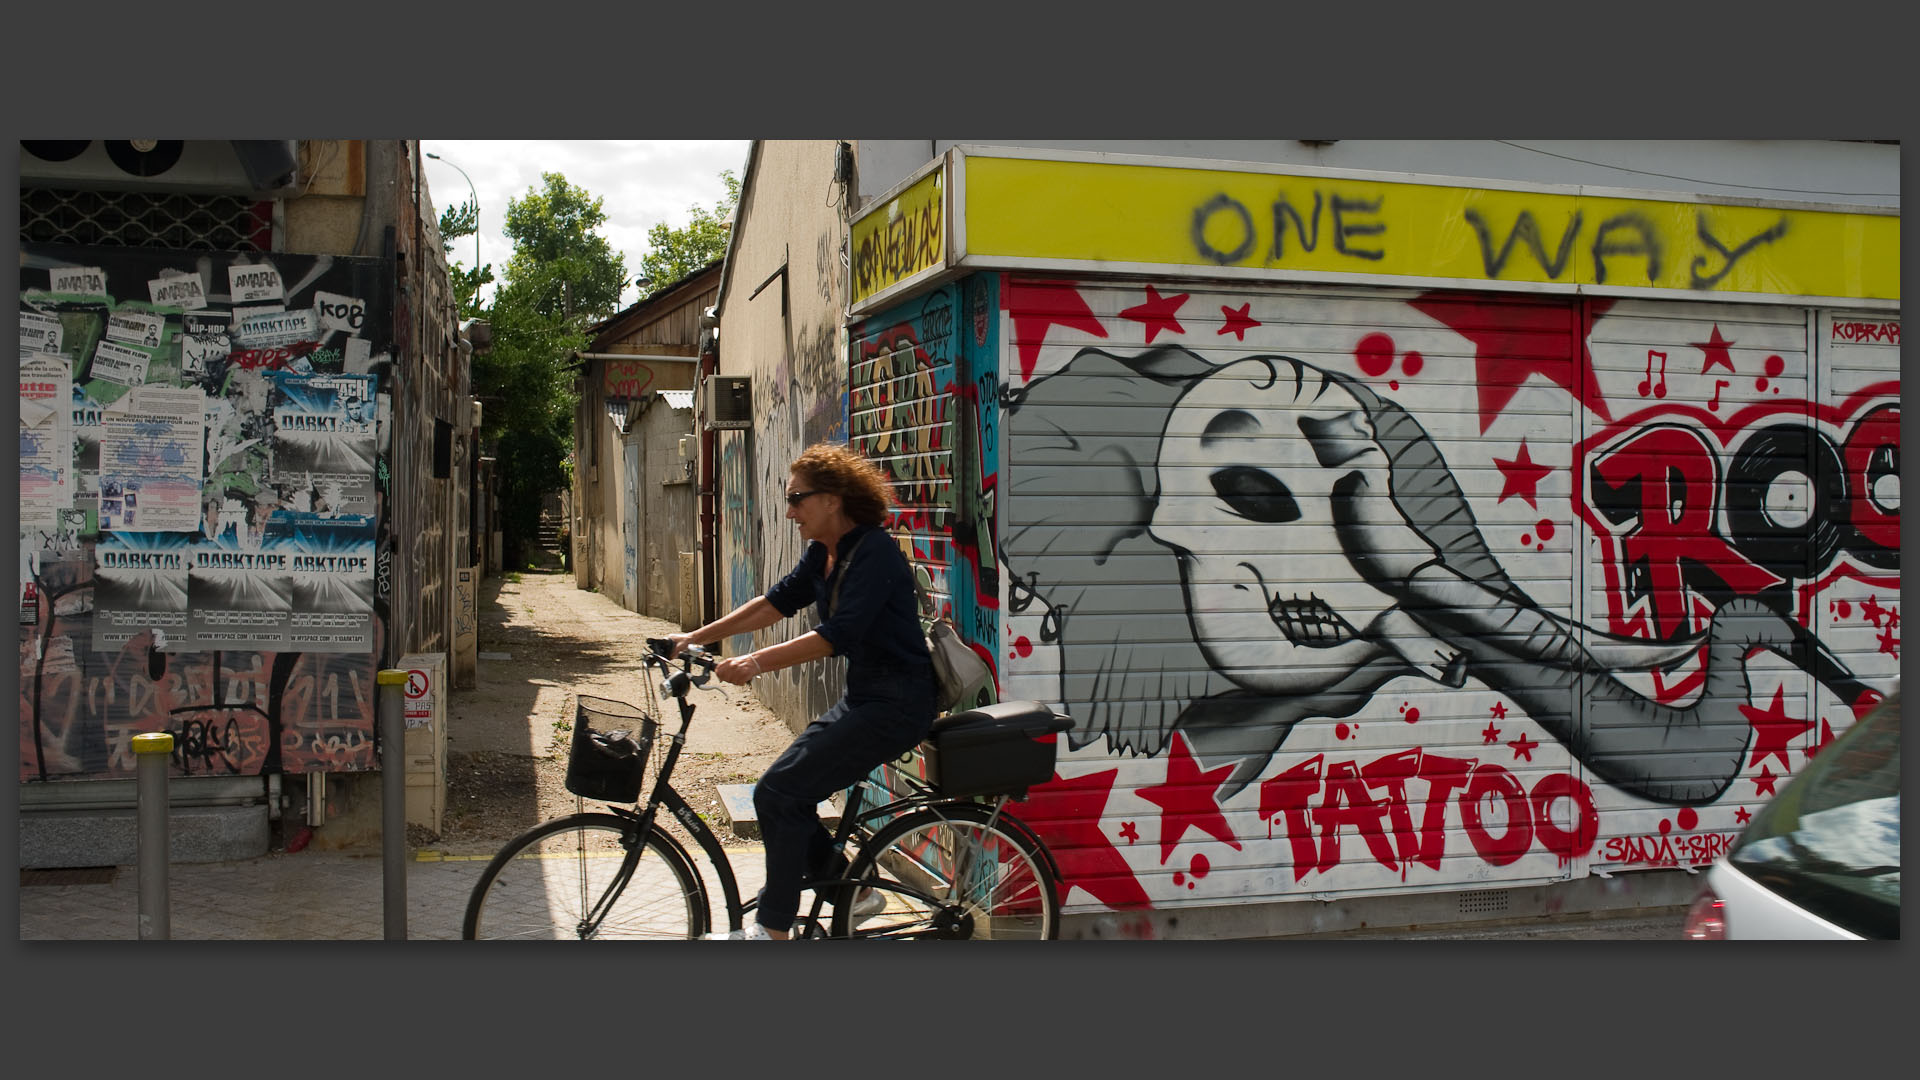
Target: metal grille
(1483,902)
(145,219)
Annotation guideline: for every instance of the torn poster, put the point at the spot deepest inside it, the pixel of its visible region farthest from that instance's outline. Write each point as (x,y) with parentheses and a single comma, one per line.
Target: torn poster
(323,443)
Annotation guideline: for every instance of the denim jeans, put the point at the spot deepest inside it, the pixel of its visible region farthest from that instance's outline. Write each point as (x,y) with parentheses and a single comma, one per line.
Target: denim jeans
(885,713)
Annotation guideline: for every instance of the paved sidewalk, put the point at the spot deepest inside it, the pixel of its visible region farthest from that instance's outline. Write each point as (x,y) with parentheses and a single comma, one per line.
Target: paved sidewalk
(308,896)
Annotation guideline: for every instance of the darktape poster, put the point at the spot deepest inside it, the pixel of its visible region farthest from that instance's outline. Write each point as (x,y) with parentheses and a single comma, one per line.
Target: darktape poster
(324,446)
(330,567)
(139,583)
(241,598)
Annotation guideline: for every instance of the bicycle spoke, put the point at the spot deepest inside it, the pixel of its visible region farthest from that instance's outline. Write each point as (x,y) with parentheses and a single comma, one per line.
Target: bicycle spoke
(574,879)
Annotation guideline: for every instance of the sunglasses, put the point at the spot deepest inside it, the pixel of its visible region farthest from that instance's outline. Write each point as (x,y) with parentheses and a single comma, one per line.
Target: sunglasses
(795,498)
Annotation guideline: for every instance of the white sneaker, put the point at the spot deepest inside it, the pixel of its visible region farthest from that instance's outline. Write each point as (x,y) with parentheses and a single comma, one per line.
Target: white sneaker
(866,907)
(753,932)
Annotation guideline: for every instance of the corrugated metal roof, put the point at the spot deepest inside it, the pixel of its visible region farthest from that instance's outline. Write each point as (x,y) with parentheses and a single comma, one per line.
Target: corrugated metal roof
(677,399)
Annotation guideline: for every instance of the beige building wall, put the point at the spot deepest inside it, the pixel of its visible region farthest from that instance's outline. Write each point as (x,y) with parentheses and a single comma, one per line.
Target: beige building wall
(781,323)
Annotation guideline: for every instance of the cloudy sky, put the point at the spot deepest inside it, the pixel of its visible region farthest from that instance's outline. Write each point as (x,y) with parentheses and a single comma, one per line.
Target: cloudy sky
(643,183)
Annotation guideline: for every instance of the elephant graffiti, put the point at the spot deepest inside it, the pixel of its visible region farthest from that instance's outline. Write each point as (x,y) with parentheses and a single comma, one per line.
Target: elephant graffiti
(1316,544)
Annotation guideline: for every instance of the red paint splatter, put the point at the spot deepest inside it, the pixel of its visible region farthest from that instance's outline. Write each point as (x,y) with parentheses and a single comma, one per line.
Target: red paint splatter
(1022,646)
(1759,384)
(1201,866)
(1665,826)
(1545,529)
(1846,610)
(1374,354)
(1179,878)
(1688,819)
(1775,366)
(1413,363)
(1525,539)
(1393,384)
(1413,716)
(1339,731)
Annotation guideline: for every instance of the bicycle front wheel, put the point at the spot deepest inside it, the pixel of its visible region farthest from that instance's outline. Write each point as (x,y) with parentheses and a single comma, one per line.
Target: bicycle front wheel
(587,877)
(954,872)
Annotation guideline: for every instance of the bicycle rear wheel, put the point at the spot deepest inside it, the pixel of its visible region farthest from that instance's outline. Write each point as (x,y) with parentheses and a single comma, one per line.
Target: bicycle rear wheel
(568,879)
(954,872)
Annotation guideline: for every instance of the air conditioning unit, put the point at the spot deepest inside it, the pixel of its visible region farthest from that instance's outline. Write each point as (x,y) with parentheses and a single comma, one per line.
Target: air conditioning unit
(727,402)
(191,166)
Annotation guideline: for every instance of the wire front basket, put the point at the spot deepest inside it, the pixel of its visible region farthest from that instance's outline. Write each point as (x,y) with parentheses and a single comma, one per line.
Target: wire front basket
(611,741)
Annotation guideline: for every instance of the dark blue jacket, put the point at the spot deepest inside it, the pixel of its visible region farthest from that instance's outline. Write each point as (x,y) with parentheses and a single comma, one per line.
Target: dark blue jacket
(876,623)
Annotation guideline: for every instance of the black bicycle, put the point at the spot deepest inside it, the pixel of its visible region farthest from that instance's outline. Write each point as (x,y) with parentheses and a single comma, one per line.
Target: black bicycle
(930,857)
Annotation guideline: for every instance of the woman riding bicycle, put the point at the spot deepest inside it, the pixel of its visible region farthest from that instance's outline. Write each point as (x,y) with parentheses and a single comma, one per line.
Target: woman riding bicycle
(867,611)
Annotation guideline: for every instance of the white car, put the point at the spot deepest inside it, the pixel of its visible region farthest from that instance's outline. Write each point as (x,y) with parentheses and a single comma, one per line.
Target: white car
(1822,859)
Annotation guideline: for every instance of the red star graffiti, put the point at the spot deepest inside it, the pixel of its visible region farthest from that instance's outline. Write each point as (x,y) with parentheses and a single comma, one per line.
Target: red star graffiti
(1038,305)
(1513,340)
(1499,710)
(1872,610)
(1523,748)
(1763,784)
(1773,729)
(1127,830)
(1186,799)
(1238,322)
(1716,349)
(1489,735)
(1521,476)
(1157,313)
(1741,816)
(1889,644)
(1066,815)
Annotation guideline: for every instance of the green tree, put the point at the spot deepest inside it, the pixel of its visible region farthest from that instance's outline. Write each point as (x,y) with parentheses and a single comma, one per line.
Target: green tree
(457,222)
(675,253)
(562,277)
(563,267)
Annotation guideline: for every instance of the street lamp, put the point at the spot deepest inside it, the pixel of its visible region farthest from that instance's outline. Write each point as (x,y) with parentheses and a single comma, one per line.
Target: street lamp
(476,225)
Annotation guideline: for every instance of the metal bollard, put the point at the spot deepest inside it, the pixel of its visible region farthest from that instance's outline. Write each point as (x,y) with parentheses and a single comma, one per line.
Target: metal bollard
(393,800)
(151,836)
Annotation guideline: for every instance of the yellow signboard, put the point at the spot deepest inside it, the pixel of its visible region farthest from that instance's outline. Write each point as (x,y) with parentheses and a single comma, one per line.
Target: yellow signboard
(1043,214)
(901,237)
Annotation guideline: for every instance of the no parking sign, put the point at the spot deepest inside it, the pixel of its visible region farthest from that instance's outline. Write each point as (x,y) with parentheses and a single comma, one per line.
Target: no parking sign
(419,705)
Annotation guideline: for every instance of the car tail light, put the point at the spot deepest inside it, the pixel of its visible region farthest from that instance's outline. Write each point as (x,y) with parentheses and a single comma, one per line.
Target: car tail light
(1706,919)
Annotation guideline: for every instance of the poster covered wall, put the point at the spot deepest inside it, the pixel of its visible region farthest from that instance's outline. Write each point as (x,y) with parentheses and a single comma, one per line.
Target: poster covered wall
(201,502)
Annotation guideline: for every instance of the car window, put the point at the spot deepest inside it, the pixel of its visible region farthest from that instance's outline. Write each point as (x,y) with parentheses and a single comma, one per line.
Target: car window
(1830,841)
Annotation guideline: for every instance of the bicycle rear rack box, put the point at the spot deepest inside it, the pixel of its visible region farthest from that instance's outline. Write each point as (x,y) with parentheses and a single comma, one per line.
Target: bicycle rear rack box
(992,750)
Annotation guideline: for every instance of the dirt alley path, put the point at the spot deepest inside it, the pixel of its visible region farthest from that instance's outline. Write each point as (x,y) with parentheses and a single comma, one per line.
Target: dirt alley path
(542,641)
